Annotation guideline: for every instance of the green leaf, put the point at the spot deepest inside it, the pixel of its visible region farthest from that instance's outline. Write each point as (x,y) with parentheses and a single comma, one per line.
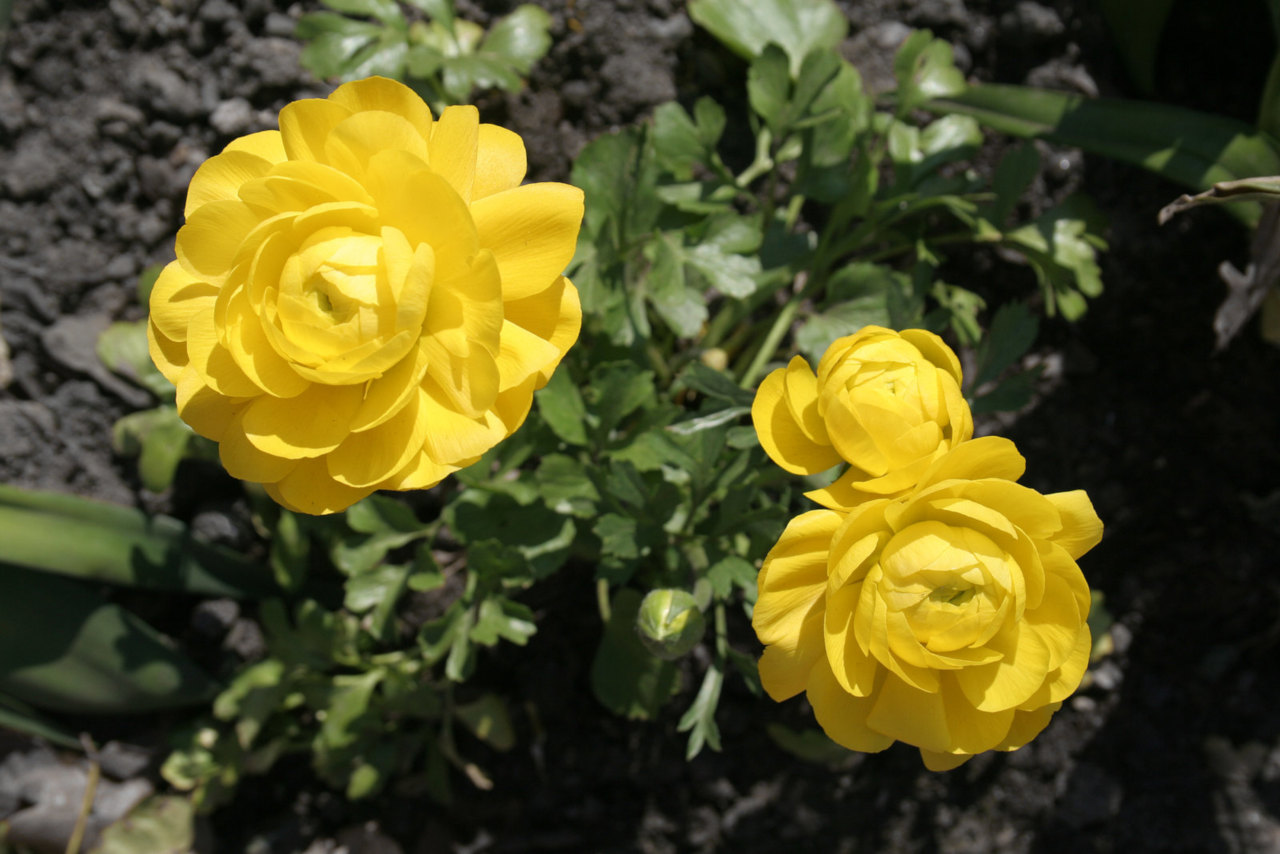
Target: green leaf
(488,719)
(1195,149)
(716,385)
(539,535)
(700,719)
(618,389)
(730,572)
(163,447)
(64,649)
(731,275)
(254,695)
(499,617)
(681,307)
(521,38)
(565,487)
(1012,394)
(379,514)
(346,712)
(19,717)
(65,534)
(1061,246)
(625,677)
(798,26)
(841,319)
(560,404)
(327,54)
(123,348)
(925,69)
(161,824)
(617,173)
(386,11)
(676,141)
(769,87)
(1013,331)
(1136,26)
(1014,174)
(437,10)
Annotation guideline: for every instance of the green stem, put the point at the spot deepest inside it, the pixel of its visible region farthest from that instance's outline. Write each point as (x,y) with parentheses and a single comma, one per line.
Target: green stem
(781,324)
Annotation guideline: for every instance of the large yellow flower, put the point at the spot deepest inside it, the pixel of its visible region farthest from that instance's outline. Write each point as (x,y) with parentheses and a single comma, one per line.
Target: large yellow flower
(367,298)
(951,618)
(887,403)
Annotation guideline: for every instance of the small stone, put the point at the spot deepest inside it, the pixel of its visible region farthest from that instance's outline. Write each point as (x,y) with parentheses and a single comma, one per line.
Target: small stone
(232,117)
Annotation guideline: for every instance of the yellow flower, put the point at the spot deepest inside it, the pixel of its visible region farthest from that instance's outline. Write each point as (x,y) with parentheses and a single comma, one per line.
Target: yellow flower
(951,618)
(367,298)
(887,403)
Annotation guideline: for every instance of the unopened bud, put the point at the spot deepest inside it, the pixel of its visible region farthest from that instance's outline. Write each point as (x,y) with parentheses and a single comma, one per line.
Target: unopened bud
(670,623)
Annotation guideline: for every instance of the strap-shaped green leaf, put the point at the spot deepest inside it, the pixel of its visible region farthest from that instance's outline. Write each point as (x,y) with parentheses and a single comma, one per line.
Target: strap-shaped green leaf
(65,534)
(63,648)
(1193,148)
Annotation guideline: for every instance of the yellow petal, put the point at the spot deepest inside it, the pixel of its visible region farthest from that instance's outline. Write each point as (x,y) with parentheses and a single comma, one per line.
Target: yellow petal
(208,244)
(169,356)
(854,669)
(1066,679)
(310,489)
(368,458)
(936,761)
(206,411)
(386,395)
(254,353)
(1057,620)
(793,577)
(425,208)
(985,457)
(220,177)
(213,362)
(242,460)
(554,315)
(904,713)
(500,161)
(1011,681)
(306,124)
(267,144)
(454,438)
(299,185)
(785,415)
(353,142)
(380,93)
(935,350)
(176,297)
(1027,725)
(422,472)
(522,354)
(858,441)
(313,423)
(1081,527)
(453,147)
(844,718)
(785,665)
(971,730)
(532,231)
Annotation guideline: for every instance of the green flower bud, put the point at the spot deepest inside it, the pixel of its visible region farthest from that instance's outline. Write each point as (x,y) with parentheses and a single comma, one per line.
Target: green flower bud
(670,623)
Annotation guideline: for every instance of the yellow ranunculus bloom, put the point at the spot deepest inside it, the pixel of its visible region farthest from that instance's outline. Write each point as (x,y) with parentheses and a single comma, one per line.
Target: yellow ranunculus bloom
(887,403)
(951,618)
(367,298)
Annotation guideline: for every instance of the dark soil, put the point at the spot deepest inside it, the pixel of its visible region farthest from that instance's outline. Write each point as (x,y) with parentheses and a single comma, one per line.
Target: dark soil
(107,108)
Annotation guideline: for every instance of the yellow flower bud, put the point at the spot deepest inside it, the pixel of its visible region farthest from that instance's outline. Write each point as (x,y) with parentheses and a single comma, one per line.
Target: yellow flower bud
(886,403)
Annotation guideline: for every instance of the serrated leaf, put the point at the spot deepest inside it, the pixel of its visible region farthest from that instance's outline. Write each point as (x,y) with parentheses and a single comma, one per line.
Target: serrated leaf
(386,11)
(682,308)
(499,617)
(618,389)
(536,534)
(380,514)
(925,69)
(730,572)
(560,405)
(161,824)
(715,384)
(845,318)
(1014,174)
(730,274)
(769,86)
